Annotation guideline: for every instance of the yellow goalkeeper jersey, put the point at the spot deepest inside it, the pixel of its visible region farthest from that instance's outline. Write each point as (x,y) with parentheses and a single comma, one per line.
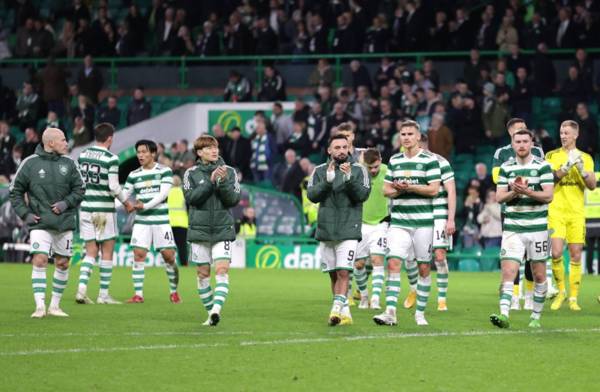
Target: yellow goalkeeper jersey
(569,192)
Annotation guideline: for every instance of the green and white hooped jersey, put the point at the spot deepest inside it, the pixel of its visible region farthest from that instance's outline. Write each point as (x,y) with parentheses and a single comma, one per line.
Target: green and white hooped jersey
(410,210)
(440,202)
(95,164)
(524,214)
(145,185)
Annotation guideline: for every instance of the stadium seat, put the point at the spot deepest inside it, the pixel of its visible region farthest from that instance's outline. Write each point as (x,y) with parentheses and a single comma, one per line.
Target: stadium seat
(468,265)
(490,259)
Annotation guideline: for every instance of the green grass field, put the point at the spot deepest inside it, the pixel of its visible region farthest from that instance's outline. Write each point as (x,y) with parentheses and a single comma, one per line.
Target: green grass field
(274,336)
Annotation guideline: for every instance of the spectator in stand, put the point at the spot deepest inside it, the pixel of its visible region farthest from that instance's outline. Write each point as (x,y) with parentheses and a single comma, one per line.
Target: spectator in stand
(82,134)
(10,162)
(84,39)
(246,226)
(516,59)
(494,115)
(237,38)
(24,44)
(183,45)
(85,110)
(487,32)
(78,11)
(521,96)
(322,75)
(273,86)
(264,150)
(360,76)
(238,88)
(491,222)
(110,113)
(208,43)
(166,32)
(8,102)
(544,73)
(440,137)
(337,117)
(293,179)
(43,39)
(282,125)
(7,141)
(482,179)
(343,39)
(52,121)
(430,73)
(317,38)
(222,138)
(298,140)
(564,33)
(301,111)
(573,91)
(53,86)
(266,40)
(99,30)
(27,107)
(280,169)
(89,80)
(65,45)
(317,128)
(139,109)
(587,141)
(471,208)
(472,69)
(136,27)
(238,152)
(507,34)
(461,31)
(377,36)
(536,31)
(438,33)
(32,139)
(385,72)
(585,67)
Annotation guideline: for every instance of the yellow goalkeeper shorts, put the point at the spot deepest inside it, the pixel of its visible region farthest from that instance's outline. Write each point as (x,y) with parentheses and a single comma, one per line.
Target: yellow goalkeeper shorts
(569,228)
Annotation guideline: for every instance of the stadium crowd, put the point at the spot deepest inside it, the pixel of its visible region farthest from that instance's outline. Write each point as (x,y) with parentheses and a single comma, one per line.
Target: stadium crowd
(283,147)
(209,28)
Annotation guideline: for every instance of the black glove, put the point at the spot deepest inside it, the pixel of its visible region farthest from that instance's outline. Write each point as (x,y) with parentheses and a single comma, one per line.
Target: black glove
(61,206)
(31,219)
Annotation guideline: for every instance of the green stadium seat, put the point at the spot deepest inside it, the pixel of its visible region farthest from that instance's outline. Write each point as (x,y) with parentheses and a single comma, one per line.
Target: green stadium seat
(468,265)
(490,259)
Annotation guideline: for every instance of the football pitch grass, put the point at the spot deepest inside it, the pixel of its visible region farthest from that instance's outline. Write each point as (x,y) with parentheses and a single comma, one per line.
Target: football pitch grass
(274,336)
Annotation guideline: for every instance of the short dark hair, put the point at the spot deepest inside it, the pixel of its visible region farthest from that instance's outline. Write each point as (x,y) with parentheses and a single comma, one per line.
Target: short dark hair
(336,137)
(514,121)
(371,155)
(150,145)
(103,131)
(410,123)
(424,138)
(523,131)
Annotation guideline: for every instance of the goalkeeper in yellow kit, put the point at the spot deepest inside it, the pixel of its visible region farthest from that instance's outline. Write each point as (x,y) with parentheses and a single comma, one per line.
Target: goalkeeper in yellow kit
(573,173)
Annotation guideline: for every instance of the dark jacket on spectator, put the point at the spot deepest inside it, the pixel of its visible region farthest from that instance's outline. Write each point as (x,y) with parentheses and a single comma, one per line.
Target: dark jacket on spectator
(237,154)
(317,41)
(53,83)
(90,84)
(266,42)
(521,96)
(588,135)
(208,45)
(111,116)
(138,111)
(272,89)
(544,75)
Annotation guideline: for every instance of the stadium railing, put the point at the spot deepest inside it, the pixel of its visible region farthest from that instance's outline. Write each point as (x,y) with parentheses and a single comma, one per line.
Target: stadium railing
(338,60)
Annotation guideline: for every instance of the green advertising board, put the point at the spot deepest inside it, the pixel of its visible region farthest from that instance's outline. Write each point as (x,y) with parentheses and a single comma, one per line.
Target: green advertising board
(283,256)
(242,118)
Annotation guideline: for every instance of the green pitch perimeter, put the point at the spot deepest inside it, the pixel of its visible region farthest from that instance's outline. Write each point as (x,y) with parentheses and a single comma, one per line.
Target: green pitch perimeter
(274,336)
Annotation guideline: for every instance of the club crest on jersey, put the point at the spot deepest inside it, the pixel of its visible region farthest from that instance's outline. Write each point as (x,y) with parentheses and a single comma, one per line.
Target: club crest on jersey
(42,173)
(62,169)
(419,166)
(533,173)
(35,245)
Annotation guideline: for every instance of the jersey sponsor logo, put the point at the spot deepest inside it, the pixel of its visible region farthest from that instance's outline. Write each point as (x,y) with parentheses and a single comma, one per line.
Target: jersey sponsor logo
(149,189)
(42,173)
(62,169)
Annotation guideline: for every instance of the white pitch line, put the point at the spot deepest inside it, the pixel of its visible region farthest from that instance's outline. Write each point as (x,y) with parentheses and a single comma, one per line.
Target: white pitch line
(385,336)
(207,332)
